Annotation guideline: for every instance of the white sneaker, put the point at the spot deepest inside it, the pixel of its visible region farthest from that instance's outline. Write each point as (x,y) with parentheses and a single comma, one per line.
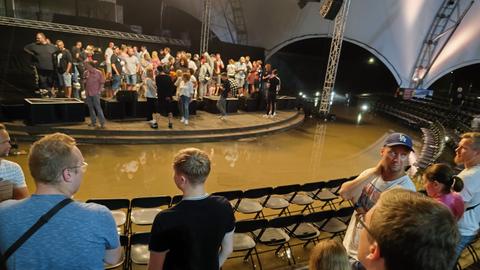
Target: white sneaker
(151,121)
(266,115)
(186,122)
(274,114)
(182,120)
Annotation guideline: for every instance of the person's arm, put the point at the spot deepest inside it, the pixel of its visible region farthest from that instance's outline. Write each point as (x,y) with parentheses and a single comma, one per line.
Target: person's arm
(113,256)
(28,49)
(227,248)
(20,193)
(351,190)
(156,260)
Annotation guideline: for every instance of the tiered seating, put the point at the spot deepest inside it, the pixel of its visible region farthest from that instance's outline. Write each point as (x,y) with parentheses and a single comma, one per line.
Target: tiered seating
(433,145)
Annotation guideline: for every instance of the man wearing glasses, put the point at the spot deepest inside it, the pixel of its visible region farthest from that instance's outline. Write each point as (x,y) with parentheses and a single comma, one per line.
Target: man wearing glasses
(407,230)
(365,190)
(11,171)
(79,235)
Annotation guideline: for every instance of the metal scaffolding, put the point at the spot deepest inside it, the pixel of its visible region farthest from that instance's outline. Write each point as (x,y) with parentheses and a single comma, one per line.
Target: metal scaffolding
(333,58)
(239,21)
(448,18)
(205,34)
(80,30)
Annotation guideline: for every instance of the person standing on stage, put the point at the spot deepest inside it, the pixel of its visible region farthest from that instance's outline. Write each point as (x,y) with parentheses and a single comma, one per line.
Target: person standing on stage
(226,88)
(151,95)
(42,59)
(273,88)
(186,94)
(63,67)
(165,92)
(94,81)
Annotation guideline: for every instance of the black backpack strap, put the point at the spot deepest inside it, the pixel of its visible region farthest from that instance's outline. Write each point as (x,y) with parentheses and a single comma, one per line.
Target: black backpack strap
(40,222)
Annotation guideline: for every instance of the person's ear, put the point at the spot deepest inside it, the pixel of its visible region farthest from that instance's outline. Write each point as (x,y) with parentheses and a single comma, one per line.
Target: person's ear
(67,175)
(374,252)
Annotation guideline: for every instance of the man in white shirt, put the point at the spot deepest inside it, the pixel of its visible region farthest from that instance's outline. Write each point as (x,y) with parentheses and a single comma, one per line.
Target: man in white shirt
(11,171)
(468,154)
(365,190)
(108,62)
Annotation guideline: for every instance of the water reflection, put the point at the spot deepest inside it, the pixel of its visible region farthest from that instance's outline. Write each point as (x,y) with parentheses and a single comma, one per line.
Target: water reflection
(315,151)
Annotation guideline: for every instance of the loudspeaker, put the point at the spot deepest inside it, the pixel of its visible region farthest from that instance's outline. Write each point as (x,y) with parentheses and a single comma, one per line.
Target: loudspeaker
(330,9)
(129,101)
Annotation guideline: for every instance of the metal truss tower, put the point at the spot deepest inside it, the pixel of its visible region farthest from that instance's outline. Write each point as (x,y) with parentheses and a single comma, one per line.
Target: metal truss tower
(205,34)
(448,18)
(239,21)
(333,58)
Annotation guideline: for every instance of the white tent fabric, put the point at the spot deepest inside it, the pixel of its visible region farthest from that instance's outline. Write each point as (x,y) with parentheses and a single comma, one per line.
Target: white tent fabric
(393,30)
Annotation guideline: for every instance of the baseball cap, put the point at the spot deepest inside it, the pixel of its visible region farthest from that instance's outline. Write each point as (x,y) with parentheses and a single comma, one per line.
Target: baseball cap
(399,139)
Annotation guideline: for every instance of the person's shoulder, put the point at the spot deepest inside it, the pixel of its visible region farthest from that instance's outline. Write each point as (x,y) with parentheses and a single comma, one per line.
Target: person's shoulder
(91,208)
(219,200)
(10,164)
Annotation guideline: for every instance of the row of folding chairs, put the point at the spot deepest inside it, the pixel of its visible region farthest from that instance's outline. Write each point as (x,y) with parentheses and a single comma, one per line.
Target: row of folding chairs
(142,211)
(281,198)
(275,234)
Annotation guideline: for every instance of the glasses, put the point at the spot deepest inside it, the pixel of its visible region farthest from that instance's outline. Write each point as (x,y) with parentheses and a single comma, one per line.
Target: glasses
(83,167)
(361,220)
(401,156)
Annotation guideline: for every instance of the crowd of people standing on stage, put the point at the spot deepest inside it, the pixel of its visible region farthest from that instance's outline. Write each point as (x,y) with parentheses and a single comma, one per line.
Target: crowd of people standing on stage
(60,72)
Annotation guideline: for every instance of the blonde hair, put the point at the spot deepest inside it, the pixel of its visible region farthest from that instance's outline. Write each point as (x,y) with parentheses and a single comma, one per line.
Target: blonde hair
(154,55)
(329,255)
(475,137)
(193,163)
(49,156)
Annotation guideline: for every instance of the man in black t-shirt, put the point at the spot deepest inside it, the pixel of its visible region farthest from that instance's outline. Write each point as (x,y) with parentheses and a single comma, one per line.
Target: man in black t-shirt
(197,233)
(227,86)
(42,59)
(273,84)
(117,69)
(62,60)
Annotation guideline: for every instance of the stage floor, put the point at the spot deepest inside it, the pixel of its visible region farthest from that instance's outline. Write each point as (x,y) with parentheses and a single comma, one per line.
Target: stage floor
(202,127)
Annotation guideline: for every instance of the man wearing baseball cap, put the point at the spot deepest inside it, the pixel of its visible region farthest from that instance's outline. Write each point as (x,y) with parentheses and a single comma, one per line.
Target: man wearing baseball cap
(365,190)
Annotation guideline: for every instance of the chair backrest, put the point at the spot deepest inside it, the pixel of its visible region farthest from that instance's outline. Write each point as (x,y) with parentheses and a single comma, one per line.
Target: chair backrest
(345,213)
(285,221)
(319,217)
(151,202)
(176,199)
(230,195)
(112,204)
(257,192)
(282,190)
(250,225)
(309,187)
(140,238)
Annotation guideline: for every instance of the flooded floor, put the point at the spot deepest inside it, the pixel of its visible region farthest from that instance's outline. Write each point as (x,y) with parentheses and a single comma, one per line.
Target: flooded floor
(315,151)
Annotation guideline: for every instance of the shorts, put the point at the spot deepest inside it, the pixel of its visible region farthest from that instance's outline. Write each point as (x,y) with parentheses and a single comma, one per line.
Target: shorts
(108,67)
(131,79)
(64,80)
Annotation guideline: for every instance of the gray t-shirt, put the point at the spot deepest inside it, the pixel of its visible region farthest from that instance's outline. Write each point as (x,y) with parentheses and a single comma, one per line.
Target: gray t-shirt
(11,171)
(131,64)
(75,238)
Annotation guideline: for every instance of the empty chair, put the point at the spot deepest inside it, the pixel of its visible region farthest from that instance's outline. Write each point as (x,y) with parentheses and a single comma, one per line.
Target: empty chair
(124,244)
(306,230)
(249,204)
(245,241)
(338,223)
(330,192)
(120,209)
(276,234)
(233,196)
(277,200)
(139,253)
(144,210)
(306,194)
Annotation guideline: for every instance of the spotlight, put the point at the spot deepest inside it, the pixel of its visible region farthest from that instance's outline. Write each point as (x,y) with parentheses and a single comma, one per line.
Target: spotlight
(447,139)
(371,60)
(304,96)
(364,107)
(301,94)
(317,94)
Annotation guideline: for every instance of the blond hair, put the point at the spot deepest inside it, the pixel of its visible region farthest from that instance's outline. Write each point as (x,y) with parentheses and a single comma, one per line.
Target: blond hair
(329,255)
(475,137)
(193,163)
(49,156)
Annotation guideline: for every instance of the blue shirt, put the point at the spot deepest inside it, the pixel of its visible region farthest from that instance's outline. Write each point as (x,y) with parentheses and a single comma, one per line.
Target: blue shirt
(74,238)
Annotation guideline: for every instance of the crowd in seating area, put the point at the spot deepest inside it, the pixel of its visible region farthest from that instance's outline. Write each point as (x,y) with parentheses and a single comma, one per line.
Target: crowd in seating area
(381,219)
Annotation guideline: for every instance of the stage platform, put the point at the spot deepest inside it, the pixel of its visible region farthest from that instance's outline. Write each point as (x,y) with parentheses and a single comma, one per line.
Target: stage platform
(203,127)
